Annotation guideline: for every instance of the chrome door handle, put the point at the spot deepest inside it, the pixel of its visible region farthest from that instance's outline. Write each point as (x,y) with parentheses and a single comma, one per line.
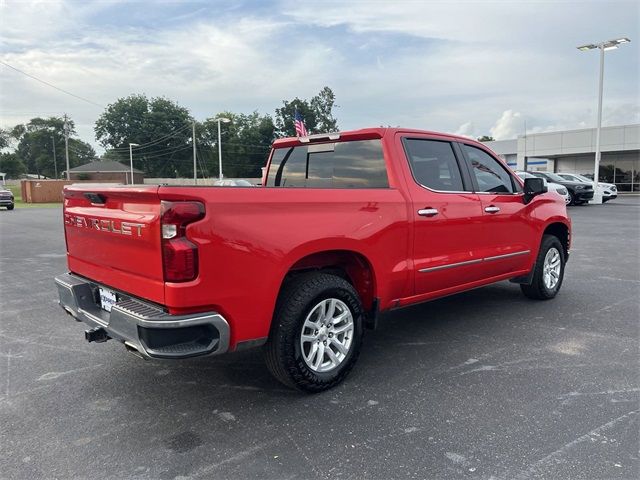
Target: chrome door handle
(428,212)
(492,209)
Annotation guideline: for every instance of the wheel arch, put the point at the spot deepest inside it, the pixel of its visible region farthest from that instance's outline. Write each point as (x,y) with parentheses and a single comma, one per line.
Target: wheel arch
(562,232)
(349,264)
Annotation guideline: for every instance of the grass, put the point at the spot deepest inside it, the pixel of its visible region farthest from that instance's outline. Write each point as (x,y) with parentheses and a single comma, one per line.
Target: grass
(17,196)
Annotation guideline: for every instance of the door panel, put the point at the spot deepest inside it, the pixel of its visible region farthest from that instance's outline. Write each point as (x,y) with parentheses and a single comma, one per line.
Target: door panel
(508,233)
(508,237)
(447,219)
(446,252)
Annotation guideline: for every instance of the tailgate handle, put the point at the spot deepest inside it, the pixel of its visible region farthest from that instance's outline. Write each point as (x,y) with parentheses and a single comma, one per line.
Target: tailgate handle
(95,198)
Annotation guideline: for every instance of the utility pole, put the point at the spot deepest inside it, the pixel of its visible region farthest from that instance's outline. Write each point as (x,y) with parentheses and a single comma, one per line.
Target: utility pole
(55,162)
(66,144)
(195,168)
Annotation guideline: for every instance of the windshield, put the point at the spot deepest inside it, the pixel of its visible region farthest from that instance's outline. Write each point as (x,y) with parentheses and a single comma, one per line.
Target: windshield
(582,178)
(555,178)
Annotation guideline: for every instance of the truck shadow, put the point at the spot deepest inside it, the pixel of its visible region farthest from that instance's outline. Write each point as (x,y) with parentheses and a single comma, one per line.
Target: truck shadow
(432,329)
(232,408)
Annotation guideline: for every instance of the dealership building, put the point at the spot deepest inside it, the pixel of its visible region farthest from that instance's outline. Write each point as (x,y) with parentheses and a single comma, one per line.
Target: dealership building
(573,151)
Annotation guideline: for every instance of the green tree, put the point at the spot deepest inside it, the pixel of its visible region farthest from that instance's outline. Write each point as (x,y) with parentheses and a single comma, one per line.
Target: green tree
(5,139)
(246,143)
(79,153)
(36,141)
(486,138)
(11,165)
(160,127)
(317,114)
(323,105)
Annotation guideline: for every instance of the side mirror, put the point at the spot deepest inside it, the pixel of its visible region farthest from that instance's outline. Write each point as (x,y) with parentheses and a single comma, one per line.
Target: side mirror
(532,187)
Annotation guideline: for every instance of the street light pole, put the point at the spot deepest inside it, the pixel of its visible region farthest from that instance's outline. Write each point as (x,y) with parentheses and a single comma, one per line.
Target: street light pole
(193,140)
(219,120)
(66,145)
(603,47)
(131,158)
(597,196)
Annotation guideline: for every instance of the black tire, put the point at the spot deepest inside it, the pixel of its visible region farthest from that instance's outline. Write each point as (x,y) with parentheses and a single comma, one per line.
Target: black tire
(538,290)
(283,353)
(10,207)
(571,198)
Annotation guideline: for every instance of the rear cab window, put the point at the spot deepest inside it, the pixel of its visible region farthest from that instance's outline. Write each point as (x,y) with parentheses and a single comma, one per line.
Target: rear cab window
(433,164)
(350,164)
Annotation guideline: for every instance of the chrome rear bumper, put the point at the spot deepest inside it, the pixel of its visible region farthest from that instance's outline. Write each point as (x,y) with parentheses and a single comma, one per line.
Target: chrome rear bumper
(143,326)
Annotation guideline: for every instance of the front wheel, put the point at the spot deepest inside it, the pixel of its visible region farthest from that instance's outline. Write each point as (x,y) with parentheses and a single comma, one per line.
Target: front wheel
(316,332)
(548,270)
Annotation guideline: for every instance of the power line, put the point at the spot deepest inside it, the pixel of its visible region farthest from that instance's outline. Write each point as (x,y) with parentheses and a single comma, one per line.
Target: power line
(50,85)
(202,164)
(171,152)
(152,154)
(225,145)
(152,142)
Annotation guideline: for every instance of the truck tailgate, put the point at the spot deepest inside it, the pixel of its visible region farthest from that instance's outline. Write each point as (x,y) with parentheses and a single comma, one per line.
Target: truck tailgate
(113,237)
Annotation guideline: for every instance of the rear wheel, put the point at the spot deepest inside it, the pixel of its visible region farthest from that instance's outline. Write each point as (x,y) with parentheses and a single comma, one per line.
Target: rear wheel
(316,332)
(548,271)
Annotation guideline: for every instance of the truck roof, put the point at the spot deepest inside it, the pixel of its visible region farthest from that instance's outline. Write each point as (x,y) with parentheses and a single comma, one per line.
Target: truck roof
(362,134)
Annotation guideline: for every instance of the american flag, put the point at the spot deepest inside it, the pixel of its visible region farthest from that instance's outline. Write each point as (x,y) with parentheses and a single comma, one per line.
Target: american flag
(301,130)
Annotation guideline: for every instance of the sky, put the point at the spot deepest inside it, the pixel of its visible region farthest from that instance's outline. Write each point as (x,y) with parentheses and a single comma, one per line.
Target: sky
(467,67)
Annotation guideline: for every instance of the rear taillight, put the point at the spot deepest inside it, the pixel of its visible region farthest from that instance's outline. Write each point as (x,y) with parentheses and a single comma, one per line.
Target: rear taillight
(179,254)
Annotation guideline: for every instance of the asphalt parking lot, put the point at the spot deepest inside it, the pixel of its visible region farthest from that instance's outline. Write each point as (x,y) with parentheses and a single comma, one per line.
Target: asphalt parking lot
(486,384)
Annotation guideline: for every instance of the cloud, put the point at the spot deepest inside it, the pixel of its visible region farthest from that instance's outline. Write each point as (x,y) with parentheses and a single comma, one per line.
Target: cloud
(620,114)
(466,129)
(509,125)
(433,65)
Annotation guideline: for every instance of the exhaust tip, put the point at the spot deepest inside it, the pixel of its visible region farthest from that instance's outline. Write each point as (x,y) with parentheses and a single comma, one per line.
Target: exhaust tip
(133,350)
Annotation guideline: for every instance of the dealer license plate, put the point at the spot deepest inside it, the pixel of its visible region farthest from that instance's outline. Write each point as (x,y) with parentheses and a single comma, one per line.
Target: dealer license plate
(107,299)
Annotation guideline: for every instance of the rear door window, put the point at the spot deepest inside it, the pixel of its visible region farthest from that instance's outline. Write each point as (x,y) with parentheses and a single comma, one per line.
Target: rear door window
(433,164)
(355,164)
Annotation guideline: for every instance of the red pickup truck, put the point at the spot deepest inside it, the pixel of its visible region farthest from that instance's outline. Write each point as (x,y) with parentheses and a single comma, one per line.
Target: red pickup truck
(345,226)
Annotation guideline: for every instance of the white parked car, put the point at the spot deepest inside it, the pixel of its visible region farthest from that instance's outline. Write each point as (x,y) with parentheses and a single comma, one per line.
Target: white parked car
(608,190)
(553,187)
(230,182)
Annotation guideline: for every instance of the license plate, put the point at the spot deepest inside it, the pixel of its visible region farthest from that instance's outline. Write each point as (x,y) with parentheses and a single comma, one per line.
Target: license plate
(107,299)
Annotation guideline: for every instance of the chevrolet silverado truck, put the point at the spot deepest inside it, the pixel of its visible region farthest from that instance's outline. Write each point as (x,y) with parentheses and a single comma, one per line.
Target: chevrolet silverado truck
(346,226)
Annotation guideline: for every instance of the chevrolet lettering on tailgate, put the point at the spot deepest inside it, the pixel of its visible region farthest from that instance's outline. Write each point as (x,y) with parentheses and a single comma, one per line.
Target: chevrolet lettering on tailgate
(104,225)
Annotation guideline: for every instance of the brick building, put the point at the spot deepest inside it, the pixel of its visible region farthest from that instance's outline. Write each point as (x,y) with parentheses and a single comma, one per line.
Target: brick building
(106,171)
